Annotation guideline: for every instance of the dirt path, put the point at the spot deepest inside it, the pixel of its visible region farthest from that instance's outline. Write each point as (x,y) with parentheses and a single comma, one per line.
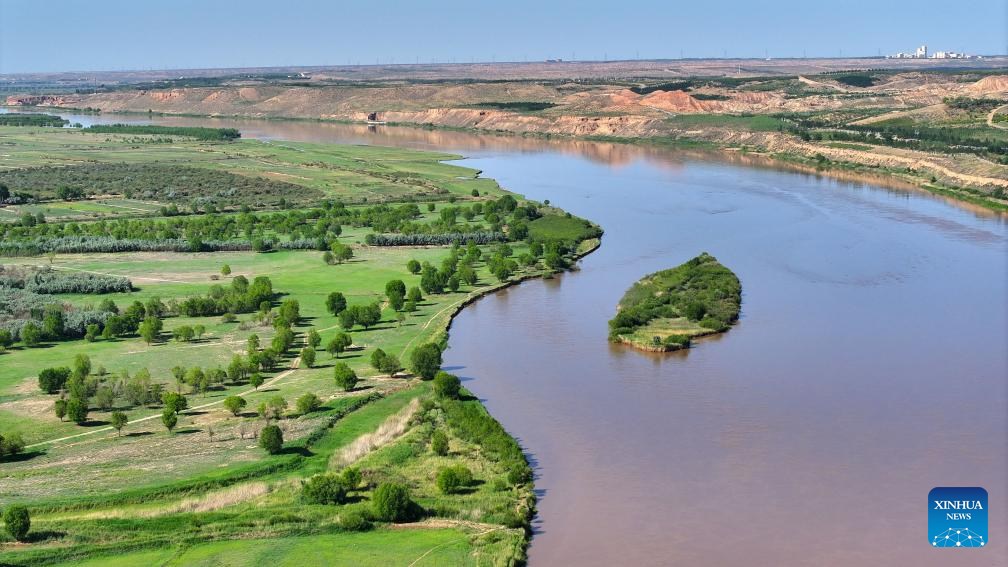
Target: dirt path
(990,118)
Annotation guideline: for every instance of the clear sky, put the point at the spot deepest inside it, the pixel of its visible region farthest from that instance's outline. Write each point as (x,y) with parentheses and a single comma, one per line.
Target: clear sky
(71,35)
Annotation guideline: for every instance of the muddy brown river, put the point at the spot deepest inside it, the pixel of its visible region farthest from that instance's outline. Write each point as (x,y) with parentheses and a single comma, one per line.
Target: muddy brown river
(869,366)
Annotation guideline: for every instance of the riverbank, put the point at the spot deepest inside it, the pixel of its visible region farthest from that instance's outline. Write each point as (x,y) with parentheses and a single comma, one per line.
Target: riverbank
(961,177)
(209,465)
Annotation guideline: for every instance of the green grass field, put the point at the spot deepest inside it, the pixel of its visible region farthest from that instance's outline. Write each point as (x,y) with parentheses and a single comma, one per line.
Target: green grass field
(206,493)
(354,174)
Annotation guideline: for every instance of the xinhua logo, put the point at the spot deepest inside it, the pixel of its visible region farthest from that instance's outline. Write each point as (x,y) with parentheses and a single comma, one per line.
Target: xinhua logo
(957,517)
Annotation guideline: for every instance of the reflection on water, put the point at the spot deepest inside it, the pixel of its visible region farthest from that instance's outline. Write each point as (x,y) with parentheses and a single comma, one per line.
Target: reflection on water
(469,143)
(869,365)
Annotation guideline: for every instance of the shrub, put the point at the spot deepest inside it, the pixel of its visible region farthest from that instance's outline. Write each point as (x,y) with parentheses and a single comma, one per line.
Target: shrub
(11,444)
(308,403)
(235,404)
(444,239)
(392,503)
(678,341)
(447,385)
(31,334)
(454,479)
(52,380)
(49,282)
(18,521)
(354,521)
(439,443)
(345,376)
(351,478)
(519,473)
(271,439)
(327,488)
(709,322)
(695,311)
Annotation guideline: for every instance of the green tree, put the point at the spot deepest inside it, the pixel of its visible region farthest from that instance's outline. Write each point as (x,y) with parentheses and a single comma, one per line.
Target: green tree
(252,344)
(53,324)
(377,357)
(439,443)
(414,295)
(348,318)
(341,252)
(174,402)
(396,301)
(104,397)
(447,385)
(119,420)
(336,303)
(31,334)
(395,287)
(392,503)
(194,376)
(236,369)
(183,334)
(60,408)
(368,315)
(425,360)
(413,266)
(77,410)
(198,331)
(150,329)
(169,419)
(276,406)
(6,339)
(225,270)
(82,365)
(235,404)
(308,356)
(271,439)
(345,377)
(256,380)
(338,344)
(18,521)
(313,338)
(390,365)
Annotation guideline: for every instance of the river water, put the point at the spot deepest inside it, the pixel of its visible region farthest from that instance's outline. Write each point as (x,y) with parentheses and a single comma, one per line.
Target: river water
(869,365)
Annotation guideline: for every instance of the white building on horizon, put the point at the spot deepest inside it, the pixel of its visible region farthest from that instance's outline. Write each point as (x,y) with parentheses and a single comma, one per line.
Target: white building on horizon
(922,53)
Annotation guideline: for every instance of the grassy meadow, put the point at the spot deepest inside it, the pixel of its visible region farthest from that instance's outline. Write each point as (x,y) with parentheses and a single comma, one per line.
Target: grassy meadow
(205,492)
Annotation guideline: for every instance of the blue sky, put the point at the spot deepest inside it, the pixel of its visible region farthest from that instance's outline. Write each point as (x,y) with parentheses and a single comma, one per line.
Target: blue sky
(156,34)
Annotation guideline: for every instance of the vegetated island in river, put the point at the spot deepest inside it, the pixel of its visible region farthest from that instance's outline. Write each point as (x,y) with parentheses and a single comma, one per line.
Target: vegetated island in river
(665,310)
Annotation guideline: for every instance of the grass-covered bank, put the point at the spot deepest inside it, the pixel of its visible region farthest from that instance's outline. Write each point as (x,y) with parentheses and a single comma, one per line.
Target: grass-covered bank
(665,310)
(314,416)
